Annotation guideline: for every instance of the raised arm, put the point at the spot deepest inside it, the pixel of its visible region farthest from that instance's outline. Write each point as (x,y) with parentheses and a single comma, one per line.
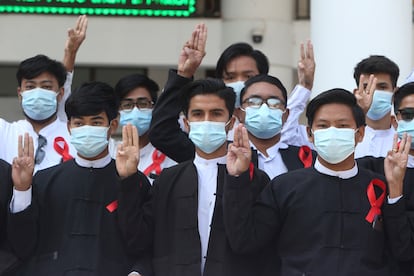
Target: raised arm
(299,97)
(76,36)
(22,219)
(165,132)
(398,211)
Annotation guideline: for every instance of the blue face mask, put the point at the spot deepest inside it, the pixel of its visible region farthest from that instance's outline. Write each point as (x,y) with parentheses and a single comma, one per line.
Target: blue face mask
(89,141)
(381,105)
(333,144)
(39,104)
(237,87)
(208,136)
(263,122)
(408,127)
(141,118)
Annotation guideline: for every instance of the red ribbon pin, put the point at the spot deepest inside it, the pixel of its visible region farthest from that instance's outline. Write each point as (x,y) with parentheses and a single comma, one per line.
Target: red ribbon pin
(375,202)
(157,159)
(63,151)
(305,156)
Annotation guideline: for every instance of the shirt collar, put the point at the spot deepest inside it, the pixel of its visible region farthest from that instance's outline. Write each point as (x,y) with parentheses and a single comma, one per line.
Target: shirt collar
(341,174)
(199,161)
(273,150)
(96,164)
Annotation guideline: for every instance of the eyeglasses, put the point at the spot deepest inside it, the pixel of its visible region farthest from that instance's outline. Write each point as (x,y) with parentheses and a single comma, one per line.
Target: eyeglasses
(272,103)
(407,114)
(40,152)
(141,103)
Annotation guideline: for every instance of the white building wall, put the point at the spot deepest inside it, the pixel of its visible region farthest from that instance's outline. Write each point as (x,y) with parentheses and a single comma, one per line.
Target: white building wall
(156,43)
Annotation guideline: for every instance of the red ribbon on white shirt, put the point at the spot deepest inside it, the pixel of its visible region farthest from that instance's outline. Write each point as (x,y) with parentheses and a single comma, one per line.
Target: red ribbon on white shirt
(62,150)
(157,159)
(375,202)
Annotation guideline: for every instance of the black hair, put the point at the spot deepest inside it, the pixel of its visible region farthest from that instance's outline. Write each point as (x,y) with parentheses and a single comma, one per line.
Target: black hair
(376,64)
(32,67)
(336,95)
(402,92)
(206,87)
(92,98)
(241,49)
(131,82)
(264,78)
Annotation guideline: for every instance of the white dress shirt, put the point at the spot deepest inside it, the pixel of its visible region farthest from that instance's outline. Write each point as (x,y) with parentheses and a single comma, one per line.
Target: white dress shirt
(207,186)
(272,164)
(376,143)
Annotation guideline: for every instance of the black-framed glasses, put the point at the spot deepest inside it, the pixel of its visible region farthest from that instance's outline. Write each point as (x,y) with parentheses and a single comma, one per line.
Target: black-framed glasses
(407,114)
(140,103)
(272,103)
(40,152)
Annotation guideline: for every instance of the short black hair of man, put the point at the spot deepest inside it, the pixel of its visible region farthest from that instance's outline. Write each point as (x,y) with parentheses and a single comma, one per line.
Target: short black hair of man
(32,67)
(237,50)
(92,98)
(376,64)
(128,83)
(264,78)
(339,96)
(402,92)
(206,87)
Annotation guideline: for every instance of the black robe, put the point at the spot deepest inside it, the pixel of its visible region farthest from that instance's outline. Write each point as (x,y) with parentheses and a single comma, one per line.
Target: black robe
(72,226)
(398,217)
(172,219)
(318,222)
(8,261)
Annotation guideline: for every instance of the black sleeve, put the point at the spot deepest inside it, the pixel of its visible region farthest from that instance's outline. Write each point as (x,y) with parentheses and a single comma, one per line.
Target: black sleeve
(250,225)
(22,230)
(135,214)
(165,132)
(399,225)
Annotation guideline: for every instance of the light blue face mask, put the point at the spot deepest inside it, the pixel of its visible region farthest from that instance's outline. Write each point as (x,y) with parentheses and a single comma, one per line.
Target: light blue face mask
(381,105)
(408,127)
(333,144)
(89,141)
(208,136)
(39,104)
(237,87)
(263,122)
(141,118)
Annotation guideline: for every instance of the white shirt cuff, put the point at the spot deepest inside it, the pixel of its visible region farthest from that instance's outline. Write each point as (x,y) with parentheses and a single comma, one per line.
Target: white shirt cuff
(20,200)
(394,200)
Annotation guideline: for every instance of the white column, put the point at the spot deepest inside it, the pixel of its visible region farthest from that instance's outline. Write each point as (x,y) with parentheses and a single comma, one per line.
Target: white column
(345,32)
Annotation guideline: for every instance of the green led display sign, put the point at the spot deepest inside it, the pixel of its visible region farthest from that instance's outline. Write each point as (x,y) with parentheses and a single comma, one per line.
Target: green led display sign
(148,8)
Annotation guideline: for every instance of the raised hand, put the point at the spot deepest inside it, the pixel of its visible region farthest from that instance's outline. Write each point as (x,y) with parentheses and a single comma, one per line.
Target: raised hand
(306,66)
(395,165)
(23,164)
(365,92)
(239,153)
(76,36)
(127,155)
(193,52)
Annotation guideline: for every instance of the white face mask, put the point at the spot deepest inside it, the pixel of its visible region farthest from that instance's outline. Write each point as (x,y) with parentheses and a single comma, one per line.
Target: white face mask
(39,104)
(333,144)
(208,136)
(89,141)
(237,87)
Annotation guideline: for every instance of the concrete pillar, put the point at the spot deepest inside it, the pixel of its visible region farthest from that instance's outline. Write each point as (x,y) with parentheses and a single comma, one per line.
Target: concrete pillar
(345,32)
